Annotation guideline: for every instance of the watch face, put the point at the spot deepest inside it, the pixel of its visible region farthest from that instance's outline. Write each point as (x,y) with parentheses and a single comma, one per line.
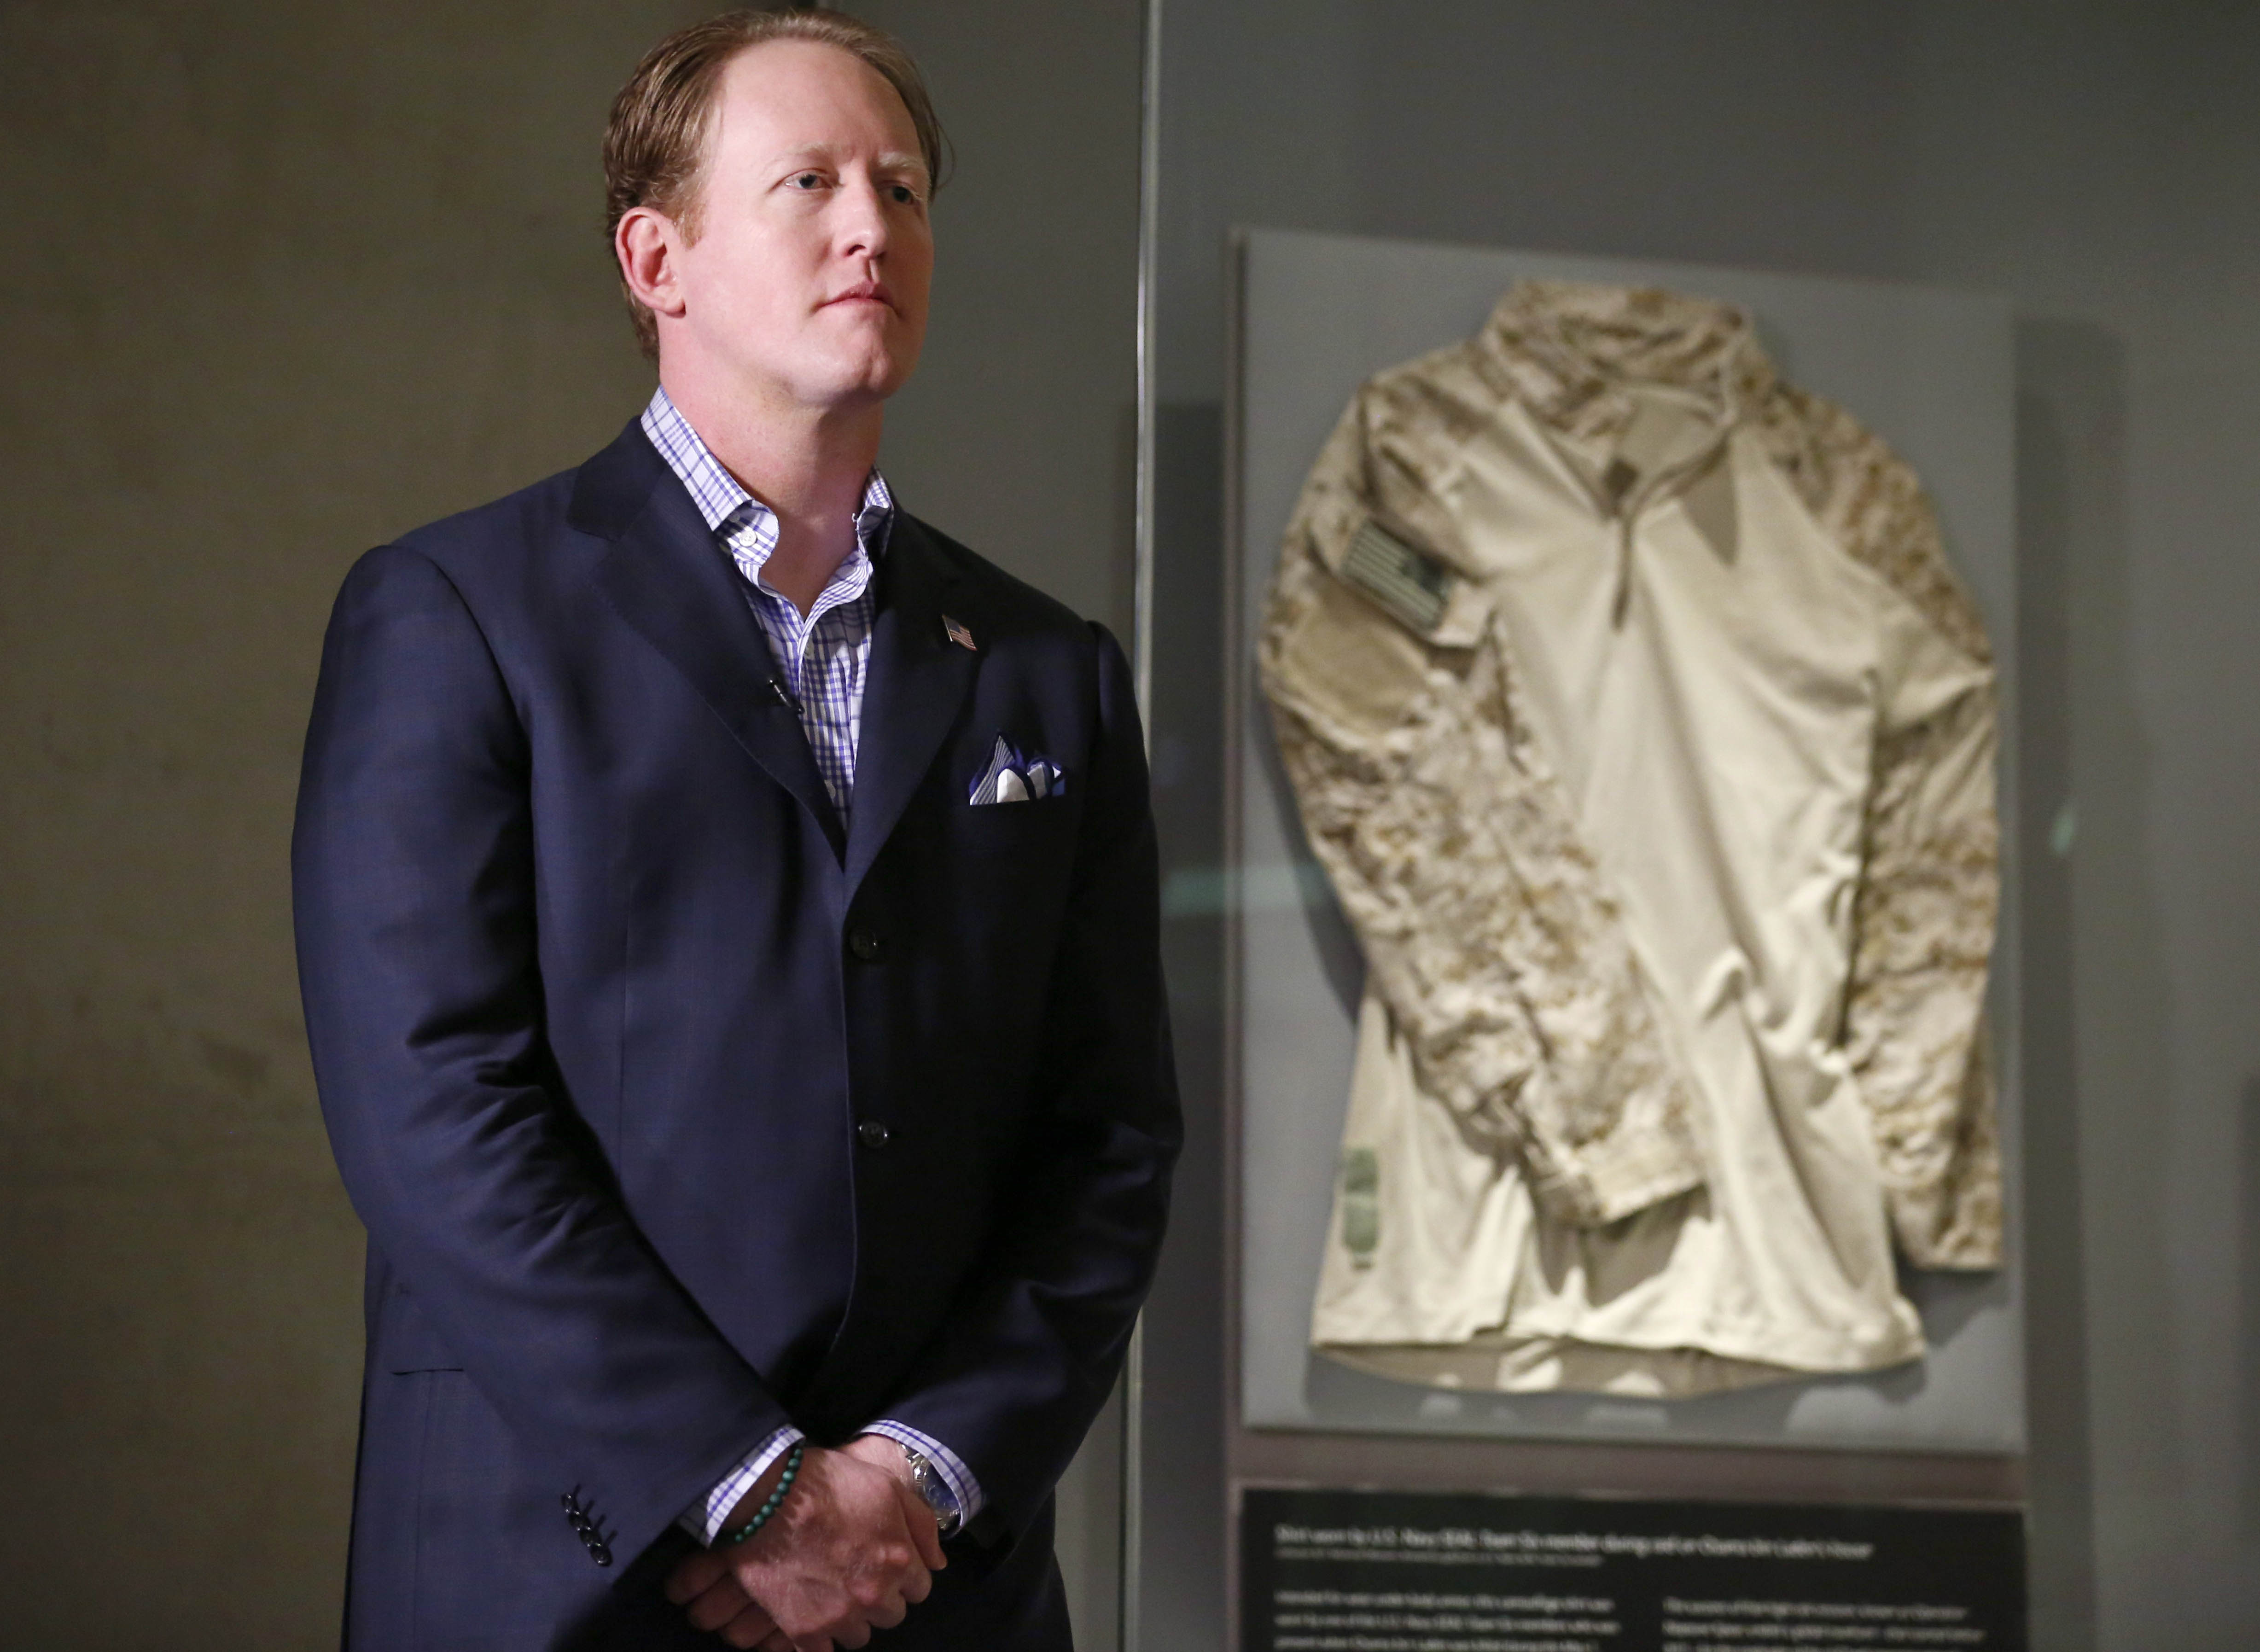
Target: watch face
(935,1490)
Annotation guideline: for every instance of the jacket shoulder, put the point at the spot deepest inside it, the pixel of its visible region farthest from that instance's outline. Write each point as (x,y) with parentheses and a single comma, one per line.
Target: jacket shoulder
(1453,391)
(508,548)
(501,529)
(1006,601)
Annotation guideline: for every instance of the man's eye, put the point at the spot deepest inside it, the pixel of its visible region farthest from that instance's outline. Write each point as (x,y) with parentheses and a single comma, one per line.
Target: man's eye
(805,181)
(903,194)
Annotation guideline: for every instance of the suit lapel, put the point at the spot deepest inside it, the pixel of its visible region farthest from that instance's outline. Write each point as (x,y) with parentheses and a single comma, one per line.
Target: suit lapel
(915,682)
(668,579)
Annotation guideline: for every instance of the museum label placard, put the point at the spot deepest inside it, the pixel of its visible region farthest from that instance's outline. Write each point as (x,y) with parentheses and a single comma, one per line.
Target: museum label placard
(1383,1571)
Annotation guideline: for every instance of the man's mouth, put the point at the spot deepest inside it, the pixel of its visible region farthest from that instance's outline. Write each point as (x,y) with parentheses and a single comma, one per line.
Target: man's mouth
(863,292)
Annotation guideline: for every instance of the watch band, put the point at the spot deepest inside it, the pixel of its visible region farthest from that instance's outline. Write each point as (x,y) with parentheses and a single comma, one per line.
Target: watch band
(948,1517)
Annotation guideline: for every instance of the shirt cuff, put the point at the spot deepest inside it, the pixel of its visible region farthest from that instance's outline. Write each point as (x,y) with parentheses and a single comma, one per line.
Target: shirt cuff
(955,1476)
(703,1520)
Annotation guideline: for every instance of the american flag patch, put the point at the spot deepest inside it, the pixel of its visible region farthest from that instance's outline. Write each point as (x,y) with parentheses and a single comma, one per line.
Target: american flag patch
(958,634)
(1407,583)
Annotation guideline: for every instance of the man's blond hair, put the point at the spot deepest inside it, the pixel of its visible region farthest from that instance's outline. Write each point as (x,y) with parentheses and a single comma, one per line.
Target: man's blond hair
(655,145)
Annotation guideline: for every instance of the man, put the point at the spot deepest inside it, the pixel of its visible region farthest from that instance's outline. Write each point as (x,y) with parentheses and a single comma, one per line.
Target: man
(727,921)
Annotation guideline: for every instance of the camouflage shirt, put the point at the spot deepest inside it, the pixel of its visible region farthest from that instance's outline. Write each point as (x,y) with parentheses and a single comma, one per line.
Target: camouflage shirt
(1647,738)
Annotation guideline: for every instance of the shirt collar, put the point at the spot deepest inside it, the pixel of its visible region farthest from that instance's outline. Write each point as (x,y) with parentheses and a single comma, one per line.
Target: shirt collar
(728,509)
(1570,349)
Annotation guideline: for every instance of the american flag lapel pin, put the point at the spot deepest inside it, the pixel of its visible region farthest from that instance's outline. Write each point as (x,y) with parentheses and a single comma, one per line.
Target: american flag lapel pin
(958,634)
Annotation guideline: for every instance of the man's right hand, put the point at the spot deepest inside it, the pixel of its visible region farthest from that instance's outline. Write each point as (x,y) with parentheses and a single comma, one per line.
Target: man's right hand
(851,1549)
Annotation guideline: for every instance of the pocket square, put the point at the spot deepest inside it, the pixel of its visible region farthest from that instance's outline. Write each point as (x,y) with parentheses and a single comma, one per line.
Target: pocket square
(1012,778)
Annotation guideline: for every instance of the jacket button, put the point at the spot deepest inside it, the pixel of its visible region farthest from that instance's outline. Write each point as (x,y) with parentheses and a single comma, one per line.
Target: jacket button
(601,1554)
(873,1133)
(864,942)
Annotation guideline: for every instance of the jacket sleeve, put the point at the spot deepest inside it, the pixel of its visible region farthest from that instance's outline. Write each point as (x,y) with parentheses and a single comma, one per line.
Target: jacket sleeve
(1026,1362)
(1929,891)
(413,877)
(1923,919)
(1915,1024)
(1487,928)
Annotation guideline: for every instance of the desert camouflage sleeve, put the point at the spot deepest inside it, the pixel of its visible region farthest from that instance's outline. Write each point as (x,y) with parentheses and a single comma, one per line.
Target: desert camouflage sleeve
(1929,892)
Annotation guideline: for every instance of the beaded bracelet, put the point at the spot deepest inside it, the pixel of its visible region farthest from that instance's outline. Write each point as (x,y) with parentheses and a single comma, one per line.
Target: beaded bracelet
(775,1501)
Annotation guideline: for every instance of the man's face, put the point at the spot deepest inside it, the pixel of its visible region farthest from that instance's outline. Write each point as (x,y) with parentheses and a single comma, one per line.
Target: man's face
(808,279)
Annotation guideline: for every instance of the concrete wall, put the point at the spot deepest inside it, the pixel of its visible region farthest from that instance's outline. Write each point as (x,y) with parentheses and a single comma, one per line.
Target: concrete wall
(2095,163)
(277,282)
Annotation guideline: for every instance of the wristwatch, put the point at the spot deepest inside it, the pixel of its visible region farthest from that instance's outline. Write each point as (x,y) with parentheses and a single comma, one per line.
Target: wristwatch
(948,1517)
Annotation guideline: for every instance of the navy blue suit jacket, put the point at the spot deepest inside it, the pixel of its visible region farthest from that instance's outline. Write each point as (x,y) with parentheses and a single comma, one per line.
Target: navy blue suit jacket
(677,1112)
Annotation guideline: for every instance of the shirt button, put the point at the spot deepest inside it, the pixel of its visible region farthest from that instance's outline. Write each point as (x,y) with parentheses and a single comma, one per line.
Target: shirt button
(864,942)
(873,1133)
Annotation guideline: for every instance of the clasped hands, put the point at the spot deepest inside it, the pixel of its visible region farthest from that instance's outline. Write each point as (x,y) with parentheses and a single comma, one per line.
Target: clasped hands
(851,1549)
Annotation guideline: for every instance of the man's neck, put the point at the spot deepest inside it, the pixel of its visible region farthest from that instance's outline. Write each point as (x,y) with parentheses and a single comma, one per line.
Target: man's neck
(809,466)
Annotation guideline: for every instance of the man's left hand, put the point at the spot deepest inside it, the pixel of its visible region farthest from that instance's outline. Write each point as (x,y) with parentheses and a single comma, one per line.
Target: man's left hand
(711,1595)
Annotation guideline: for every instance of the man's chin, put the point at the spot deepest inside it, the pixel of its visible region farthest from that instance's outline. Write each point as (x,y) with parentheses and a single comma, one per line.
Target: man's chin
(868,378)
(824,380)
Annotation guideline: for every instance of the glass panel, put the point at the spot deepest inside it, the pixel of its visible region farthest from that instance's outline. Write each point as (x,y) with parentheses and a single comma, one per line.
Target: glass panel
(2081,177)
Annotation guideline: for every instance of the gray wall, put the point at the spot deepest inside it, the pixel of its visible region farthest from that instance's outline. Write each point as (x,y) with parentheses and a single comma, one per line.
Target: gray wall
(278,282)
(2097,165)
(1019,433)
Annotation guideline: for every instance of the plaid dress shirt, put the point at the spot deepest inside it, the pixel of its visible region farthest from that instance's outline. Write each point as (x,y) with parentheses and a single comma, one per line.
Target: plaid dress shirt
(821,659)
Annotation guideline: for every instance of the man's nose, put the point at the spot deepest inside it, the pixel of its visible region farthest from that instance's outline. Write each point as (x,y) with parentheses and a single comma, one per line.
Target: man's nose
(862,227)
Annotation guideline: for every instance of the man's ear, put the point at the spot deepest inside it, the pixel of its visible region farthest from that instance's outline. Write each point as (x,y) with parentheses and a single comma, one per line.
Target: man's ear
(647,243)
